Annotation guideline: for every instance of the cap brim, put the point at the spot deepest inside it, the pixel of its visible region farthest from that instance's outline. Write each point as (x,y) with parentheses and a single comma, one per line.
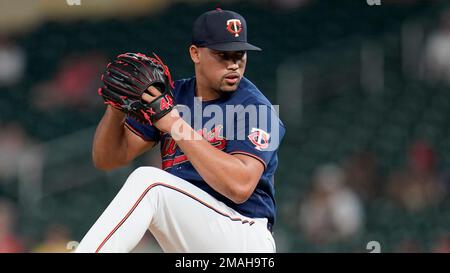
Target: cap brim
(233,46)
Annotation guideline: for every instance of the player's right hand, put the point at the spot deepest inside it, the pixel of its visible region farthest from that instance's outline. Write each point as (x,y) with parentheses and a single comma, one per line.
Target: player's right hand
(128,77)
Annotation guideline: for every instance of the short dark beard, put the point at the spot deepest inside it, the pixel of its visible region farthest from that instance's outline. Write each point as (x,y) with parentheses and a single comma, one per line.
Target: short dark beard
(225,94)
(237,85)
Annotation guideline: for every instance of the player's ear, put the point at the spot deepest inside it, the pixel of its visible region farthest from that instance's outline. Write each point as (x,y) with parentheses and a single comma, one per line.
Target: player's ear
(195,53)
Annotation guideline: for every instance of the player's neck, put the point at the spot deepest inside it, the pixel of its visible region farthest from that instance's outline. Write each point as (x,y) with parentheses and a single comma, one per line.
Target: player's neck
(206,93)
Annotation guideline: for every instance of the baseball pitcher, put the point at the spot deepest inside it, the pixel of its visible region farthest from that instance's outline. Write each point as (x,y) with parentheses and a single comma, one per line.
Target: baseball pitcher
(218,136)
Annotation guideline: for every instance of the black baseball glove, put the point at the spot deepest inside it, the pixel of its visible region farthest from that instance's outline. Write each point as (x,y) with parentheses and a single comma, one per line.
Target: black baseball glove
(128,77)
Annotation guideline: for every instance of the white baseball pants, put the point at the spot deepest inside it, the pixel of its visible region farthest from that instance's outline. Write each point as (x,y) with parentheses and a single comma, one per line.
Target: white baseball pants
(182,218)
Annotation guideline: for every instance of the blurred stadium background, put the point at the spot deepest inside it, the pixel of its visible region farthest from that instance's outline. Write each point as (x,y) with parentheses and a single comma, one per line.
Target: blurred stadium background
(363,90)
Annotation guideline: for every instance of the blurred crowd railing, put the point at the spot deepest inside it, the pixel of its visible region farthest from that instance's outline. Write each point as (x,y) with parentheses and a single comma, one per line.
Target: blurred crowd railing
(23,15)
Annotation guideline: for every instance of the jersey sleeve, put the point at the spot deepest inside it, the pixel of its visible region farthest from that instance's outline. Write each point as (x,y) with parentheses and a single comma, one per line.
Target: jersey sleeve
(257,132)
(146,132)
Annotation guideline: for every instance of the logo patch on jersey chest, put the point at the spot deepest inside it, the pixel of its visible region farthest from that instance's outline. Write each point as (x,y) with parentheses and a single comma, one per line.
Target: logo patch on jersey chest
(259,138)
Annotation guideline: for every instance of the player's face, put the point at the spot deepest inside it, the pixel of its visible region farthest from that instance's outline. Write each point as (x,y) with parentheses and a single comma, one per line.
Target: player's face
(223,69)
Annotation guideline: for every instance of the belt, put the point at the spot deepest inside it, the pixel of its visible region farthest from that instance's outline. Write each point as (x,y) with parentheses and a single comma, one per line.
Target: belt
(269,227)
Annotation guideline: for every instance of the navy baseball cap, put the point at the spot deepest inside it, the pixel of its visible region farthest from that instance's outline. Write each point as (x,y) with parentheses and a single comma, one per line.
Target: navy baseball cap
(222,30)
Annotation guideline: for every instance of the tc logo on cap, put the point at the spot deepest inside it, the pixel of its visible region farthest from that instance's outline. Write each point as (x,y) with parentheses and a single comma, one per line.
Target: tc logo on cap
(234,27)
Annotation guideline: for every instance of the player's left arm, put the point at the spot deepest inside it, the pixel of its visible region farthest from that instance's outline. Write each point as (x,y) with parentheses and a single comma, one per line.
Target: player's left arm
(234,176)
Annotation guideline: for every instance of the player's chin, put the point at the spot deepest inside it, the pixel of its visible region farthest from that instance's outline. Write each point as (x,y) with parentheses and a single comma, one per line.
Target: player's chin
(229,87)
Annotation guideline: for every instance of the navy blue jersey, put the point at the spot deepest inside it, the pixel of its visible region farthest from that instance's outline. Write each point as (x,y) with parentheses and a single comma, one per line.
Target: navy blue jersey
(253,128)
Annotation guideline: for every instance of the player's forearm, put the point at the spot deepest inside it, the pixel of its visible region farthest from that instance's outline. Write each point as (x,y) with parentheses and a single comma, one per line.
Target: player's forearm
(223,172)
(110,147)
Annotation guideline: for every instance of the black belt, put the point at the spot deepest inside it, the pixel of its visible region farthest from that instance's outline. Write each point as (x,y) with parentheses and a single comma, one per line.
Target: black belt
(269,227)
